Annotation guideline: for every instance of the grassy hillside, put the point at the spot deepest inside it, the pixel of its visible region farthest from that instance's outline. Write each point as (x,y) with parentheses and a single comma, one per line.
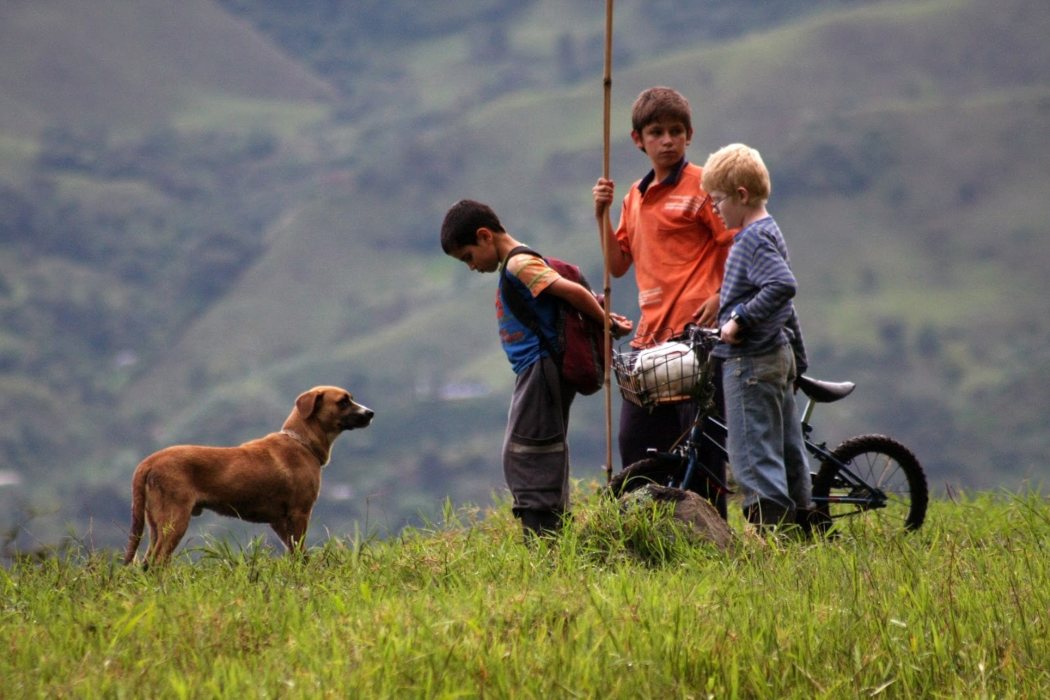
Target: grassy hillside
(133,65)
(621,607)
(264,218)
(871,257)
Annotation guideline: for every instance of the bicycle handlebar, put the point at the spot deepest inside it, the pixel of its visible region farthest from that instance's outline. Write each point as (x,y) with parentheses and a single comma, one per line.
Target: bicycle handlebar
(695,333)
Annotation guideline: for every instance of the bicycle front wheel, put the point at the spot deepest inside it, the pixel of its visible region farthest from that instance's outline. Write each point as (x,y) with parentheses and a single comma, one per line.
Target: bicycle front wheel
(878,462)
(654,470)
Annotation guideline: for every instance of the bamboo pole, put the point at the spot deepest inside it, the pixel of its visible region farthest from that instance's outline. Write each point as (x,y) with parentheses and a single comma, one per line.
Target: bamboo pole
(606,286)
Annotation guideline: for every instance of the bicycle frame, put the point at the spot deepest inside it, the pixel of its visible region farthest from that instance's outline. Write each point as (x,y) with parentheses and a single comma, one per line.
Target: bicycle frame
(873,497)
(715,431)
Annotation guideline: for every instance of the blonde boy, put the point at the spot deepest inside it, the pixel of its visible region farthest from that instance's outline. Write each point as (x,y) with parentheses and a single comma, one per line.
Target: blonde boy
(762,347)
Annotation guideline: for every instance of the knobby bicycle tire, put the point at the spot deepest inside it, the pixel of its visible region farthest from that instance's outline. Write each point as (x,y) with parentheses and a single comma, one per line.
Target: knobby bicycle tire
(880,461)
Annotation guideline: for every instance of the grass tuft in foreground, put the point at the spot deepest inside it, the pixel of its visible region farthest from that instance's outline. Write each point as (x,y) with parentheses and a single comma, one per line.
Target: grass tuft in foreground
(624,604)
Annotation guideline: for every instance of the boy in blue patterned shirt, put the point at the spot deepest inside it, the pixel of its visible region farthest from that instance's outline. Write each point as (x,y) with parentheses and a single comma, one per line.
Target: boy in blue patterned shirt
(761,344)
(535,446)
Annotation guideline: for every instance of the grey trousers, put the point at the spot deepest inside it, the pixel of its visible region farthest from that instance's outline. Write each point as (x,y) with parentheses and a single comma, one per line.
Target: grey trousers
(535,446)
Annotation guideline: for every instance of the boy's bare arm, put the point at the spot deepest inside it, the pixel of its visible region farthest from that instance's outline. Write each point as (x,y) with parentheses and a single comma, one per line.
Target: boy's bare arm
(618,261)
(583,299)
(707,315)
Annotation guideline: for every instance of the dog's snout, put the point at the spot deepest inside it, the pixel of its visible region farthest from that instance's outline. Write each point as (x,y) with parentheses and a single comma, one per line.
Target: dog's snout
(360,417)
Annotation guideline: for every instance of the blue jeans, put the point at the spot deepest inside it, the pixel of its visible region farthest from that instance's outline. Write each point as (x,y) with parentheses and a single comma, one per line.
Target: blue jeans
(766,452)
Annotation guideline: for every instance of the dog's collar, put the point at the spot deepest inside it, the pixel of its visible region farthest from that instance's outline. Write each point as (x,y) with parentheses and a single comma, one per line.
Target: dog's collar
(323,459)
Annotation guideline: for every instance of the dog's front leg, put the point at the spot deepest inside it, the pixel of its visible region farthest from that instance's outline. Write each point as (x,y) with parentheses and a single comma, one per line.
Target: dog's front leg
(292,532)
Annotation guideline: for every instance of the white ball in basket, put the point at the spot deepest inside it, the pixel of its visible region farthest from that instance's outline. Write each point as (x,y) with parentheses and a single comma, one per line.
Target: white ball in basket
(667,370)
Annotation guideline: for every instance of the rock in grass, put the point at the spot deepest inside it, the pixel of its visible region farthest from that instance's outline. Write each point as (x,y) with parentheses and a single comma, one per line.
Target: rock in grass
(689,508)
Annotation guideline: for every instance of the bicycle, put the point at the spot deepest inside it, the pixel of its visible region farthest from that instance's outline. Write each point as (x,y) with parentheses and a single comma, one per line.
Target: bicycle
(870,473)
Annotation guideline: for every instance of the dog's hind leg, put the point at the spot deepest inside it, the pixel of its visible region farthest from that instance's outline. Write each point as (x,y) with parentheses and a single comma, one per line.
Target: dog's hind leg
(154,535)
(170,530)
(168,518)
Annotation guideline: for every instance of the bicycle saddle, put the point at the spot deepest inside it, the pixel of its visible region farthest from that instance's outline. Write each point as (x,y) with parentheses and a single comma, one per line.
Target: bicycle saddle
(822,391)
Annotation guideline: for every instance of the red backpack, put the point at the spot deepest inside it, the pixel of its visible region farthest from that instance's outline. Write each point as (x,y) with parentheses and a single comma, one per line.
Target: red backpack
(581,340)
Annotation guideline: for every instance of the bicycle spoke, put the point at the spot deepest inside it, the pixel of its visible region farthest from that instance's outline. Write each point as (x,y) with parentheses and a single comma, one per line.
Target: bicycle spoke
(873,475)
(888,469)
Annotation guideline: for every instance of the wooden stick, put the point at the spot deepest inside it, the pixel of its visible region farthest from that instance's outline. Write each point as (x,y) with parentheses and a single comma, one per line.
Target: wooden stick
(606,286)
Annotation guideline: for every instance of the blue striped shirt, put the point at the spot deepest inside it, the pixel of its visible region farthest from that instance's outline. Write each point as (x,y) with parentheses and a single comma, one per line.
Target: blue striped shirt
(759,286)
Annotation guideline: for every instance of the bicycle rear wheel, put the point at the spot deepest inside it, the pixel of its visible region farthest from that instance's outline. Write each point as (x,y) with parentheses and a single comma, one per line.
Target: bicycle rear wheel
(881,463)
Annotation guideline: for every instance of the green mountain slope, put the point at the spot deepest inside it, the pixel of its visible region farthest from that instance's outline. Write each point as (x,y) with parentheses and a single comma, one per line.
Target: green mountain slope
(131,65)
(907,143)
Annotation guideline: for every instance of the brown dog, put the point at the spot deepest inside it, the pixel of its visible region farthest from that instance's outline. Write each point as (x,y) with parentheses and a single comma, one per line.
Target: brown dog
(274,479)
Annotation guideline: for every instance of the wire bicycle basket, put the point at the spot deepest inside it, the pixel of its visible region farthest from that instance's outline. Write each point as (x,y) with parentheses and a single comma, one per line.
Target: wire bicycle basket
(673,371)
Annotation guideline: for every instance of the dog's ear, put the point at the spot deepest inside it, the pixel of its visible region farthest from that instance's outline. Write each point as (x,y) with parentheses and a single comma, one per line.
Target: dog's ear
(308,402)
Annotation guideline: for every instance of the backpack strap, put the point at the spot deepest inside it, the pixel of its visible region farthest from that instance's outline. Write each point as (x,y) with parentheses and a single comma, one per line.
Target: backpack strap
(519,307)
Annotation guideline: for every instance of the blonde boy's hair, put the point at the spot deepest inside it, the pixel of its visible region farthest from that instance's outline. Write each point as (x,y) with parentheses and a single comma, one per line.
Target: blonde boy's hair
(737,165)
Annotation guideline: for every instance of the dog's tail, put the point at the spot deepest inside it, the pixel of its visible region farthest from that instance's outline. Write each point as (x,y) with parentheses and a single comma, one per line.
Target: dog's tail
(138,513)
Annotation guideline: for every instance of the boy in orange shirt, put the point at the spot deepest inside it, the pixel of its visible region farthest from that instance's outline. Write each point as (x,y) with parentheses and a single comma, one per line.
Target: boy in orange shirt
(677,245)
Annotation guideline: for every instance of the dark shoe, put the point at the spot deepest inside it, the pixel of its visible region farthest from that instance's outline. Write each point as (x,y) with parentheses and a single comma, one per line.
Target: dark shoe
(768,514)
(540,523)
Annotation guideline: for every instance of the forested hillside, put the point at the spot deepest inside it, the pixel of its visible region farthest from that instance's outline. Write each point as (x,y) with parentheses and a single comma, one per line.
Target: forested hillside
(207,207)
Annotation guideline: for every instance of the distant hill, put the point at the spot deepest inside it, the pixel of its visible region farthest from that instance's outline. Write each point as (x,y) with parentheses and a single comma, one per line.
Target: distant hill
(225,215)
(134,65)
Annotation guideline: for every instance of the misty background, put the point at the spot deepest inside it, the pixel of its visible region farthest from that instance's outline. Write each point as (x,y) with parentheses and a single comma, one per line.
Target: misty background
(209,206)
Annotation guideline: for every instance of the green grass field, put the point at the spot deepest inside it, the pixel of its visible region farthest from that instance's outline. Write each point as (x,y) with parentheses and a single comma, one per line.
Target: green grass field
(620,606)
